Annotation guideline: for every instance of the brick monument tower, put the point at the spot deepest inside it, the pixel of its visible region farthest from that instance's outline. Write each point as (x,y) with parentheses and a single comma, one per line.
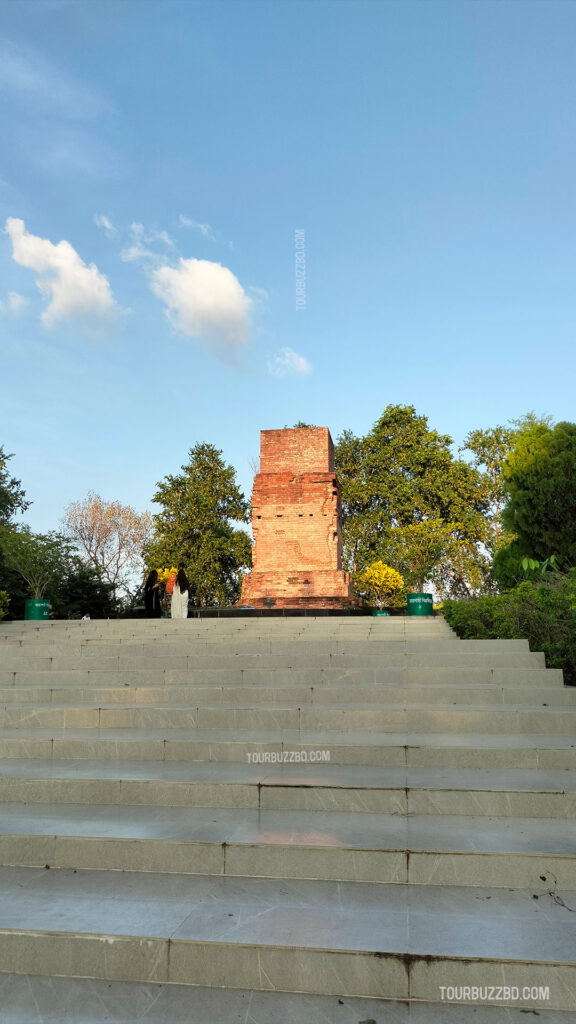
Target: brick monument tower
(297,524)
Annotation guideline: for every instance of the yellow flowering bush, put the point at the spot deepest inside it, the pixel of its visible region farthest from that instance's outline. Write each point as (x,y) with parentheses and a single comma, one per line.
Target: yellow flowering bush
(163,574)
(4,602)
(380,582)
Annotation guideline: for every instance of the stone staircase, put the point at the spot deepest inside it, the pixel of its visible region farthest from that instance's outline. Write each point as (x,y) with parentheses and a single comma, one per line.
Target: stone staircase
(284,821)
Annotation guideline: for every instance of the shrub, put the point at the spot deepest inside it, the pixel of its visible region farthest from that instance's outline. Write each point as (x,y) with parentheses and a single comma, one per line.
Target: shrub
(4,602)
(541,611)
(380,582)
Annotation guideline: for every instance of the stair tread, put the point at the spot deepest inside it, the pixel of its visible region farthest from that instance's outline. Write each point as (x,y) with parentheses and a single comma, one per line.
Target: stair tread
(311,774)
(447,921)
(89,1001)
(322,829)
(468,739)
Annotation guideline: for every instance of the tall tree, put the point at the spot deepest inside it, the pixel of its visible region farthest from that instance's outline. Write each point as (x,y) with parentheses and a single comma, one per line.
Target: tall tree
(195,527)
(12,496)
(12,501)
(112,537)
(50,568)
(402,474)
(540,475)
(491,448)
(40,558)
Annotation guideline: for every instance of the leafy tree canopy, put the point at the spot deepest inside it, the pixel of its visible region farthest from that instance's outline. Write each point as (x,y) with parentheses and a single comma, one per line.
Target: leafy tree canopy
(83,590)
(540,477)
(194,527)
(403,474)
(46,565)
(40,559)
(12,496)
(111,536)
(490,449)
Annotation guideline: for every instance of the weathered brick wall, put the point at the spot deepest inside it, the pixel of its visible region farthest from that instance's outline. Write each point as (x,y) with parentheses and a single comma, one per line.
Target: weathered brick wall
(296,520)
(296,451)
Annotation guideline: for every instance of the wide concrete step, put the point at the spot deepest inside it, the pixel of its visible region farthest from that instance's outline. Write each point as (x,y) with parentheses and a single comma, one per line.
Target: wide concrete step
(436,750)
(34,999)
(104,676)
(244,623)
(175,658)
(39,1000)
(310,787)
(379,696)
(380,848)
(268,647)
(240,642)
(90,658)
(330,938)
(408,718)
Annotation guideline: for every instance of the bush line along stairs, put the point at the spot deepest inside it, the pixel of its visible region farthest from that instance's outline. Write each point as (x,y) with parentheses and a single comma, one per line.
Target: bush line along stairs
(435,849)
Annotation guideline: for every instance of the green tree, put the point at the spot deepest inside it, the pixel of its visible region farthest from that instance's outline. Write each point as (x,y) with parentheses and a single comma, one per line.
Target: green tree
(82,589)
(42,560)
(12,496)
(12,501)
(195,527)
(419,549)
(540,476)
(403,474)
(49,567)
(507,564)
(491,448)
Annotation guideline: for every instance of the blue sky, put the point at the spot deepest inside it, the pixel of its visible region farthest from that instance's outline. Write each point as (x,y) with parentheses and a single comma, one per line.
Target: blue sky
(157,160)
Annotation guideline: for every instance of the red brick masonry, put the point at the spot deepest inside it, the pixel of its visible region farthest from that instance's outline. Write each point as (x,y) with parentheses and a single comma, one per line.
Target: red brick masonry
(297,524)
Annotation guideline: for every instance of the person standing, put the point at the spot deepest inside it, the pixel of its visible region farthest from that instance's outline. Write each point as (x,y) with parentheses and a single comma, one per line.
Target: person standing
(179,605)
(152,601)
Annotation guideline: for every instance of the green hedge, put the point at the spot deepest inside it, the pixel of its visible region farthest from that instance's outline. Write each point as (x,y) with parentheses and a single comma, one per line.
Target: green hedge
(542,611)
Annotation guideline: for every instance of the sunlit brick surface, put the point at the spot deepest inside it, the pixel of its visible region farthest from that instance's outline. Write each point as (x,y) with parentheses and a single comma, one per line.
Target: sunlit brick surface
(297,523)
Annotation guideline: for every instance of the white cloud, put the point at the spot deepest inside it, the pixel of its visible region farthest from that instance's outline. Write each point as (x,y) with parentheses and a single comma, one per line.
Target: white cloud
(139,254)
(204,229)
(287,362)
(259,295)
(104,222)
(15,304)
(139,251)
(204,300)
(150,235)
(76,290)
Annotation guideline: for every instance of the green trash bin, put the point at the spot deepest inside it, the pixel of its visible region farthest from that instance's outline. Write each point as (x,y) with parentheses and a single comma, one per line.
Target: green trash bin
(419,604)
(36,609)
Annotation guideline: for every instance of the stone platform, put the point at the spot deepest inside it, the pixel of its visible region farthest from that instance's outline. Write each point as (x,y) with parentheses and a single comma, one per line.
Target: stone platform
(150,870)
